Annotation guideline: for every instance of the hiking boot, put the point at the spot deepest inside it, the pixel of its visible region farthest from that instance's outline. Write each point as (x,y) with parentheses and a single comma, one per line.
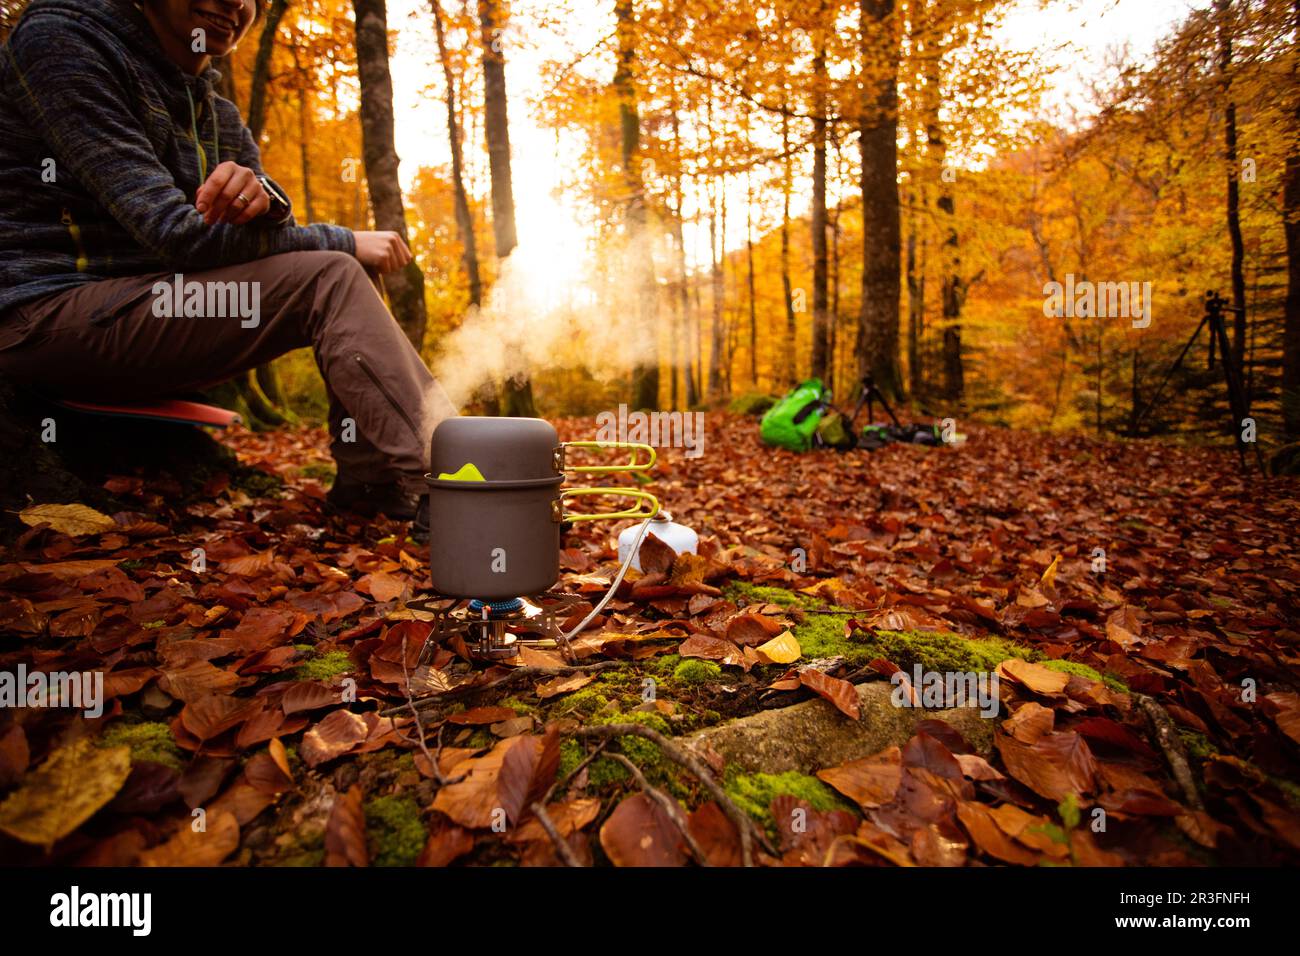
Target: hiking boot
(420,524)
(369,500)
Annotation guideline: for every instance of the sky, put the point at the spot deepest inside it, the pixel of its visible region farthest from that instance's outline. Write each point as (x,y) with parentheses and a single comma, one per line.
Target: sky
(1073,35)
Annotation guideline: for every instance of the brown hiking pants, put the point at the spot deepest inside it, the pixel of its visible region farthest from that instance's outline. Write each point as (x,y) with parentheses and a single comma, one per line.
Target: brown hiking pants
(128,340)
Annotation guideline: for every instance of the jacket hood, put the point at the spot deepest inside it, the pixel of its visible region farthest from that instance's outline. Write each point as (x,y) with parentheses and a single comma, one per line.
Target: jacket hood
(124,20)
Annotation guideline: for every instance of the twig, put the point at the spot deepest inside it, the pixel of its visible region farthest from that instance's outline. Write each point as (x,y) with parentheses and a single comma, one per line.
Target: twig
(671,807)
(419,726)
(562,848)
(1166,734)
(748,830)
(518,674)
(563,785)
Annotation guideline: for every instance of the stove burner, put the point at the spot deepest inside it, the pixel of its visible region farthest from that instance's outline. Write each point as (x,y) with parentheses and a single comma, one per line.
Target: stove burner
(495,630)
(496,608)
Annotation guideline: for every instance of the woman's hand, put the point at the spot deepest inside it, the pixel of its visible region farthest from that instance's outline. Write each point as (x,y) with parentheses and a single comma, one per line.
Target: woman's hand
(231,195)
(383,251)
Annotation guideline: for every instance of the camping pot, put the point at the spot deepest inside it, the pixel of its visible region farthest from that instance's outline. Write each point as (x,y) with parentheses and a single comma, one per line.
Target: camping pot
(496,505)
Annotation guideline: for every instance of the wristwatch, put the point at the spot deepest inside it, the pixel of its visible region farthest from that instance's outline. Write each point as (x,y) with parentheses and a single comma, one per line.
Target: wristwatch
(280,206)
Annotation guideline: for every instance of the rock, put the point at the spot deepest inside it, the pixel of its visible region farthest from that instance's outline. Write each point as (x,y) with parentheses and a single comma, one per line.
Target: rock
(814,735)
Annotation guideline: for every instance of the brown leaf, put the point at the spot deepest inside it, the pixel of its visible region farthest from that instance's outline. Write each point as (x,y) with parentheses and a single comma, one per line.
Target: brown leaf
(562,685)
(715,834)
(478,716)
(839,692)
(1036,677)
(345,831)
(640,833)
(446,843)
(752,629)
(265,774)
(501,784)
(654,556)
(337,734)
(1054,766)
(1030,722)
(869,782)
(218,839)
(981,823)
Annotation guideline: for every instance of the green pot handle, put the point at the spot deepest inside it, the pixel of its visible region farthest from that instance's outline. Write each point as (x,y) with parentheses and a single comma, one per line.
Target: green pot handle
(647,505)
(632,465)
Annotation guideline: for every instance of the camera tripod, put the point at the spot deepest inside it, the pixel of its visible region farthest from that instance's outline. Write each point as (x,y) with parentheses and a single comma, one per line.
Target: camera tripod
(1215,306)
(870,393)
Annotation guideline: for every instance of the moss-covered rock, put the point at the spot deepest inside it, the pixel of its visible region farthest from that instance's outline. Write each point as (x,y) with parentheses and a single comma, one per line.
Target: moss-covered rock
(395,829)
(752,403)
(754,793)
(148,740)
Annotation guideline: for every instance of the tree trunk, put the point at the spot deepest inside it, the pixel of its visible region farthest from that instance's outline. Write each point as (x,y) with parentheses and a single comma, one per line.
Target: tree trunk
(717,338)
(1223,9)
(1291,217)
(405,288)
(791,370)
(464,221)
(517,397)
(683,291)
(753,307)
(645,376)
(915,301)
(304,136)
(877,345)
(820,333)
(262,68)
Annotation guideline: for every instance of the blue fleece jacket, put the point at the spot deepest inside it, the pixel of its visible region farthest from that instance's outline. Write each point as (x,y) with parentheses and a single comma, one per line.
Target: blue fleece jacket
(99,165)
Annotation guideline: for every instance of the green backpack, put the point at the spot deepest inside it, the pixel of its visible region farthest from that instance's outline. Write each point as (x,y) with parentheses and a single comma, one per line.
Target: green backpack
(792,422)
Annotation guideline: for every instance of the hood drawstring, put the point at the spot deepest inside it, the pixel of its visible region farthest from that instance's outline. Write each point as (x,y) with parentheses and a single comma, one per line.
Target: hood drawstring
(198,144)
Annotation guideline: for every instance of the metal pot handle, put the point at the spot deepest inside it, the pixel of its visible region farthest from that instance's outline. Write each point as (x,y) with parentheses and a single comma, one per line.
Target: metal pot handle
(632,465)
(645,501)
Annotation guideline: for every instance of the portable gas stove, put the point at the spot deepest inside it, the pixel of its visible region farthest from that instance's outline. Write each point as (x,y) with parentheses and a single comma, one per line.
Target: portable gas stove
(496,630)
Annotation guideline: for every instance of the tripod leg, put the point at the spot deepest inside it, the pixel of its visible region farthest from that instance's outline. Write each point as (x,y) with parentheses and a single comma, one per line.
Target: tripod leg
(1235,398)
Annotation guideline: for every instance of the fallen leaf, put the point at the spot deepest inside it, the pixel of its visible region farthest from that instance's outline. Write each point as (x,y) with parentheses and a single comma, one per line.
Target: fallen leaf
(640,833)
(190,847)
(72,520)
(64,792)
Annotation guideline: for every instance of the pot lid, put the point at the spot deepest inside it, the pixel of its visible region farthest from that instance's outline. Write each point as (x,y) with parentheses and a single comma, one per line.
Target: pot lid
(487,448)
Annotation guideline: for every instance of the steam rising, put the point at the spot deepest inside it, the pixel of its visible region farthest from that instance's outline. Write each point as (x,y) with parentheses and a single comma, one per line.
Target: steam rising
(541,314)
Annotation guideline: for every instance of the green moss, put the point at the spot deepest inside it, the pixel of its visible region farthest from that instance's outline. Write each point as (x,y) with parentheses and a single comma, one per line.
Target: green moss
(603,773)
(933,650)
(148,740)
(518,706)
(742,591)
(131,564)
(314,857)
(588,701)
(318,470)
(1290,789)
(571,754)
(1197,744)
(1084,671)
(258,484)
(754,792)
(694,671)
(324,666)
(395,830)
(664,664)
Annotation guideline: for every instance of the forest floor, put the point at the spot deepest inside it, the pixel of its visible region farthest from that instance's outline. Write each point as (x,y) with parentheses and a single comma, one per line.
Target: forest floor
(1137,602)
